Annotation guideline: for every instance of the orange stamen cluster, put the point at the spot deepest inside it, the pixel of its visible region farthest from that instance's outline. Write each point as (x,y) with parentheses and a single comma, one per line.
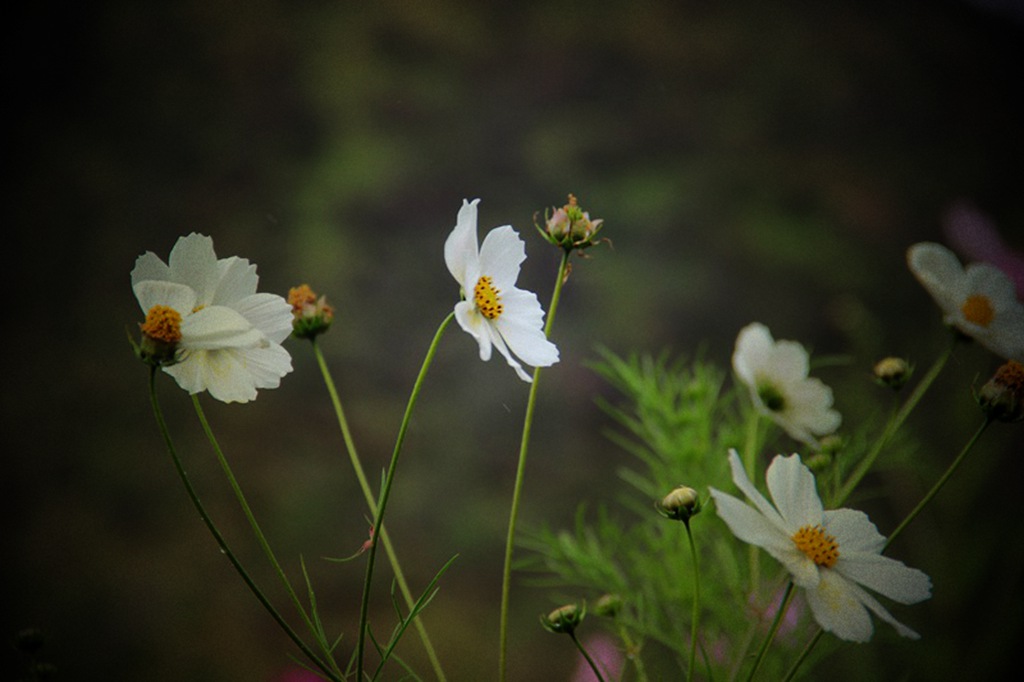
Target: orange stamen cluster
(819,547)
(977,309)
(163,323)
(299,297)
(486,298)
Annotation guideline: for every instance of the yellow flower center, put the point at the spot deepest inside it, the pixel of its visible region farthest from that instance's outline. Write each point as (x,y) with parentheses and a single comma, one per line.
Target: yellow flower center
(163,324)
(486,298)
(977,309)
(819,547)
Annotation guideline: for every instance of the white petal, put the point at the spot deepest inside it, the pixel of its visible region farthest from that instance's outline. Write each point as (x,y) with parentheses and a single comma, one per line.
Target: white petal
(887,576)
(217,327)
(739,477)
(156,292)
(236,279)
(499,343)
(794,493)
(189,372)
(753,345)
(748,524)
(460,249)
(837,608)
(148,266)
(501,254)
(269,313)
(221,372)
(987,279)
(474,324)
(528,343)
(521,327)
(193,262)
(938,270)
(1006,335)
(880,611)
(789,361)
(267,365)
(853,531)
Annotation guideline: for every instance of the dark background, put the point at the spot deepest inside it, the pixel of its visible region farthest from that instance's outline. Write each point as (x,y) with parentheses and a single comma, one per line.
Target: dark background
(752,161)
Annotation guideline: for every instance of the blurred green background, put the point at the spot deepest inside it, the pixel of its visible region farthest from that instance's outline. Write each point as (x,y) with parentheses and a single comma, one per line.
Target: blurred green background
(752,161)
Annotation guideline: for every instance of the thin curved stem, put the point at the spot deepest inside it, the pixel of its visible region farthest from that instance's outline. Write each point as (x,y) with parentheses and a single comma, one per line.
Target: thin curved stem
(531,402)
(590,661)
(261,539)
(696,603)
(803,655)
(783,606)
(371,502)
(938,484)
(378,521)
(222,543)
(894,425)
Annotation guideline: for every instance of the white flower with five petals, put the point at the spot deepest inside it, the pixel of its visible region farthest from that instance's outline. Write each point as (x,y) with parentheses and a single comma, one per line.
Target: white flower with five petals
(228,337)
(832,555)
(979,300)
(494,311)
(776,374)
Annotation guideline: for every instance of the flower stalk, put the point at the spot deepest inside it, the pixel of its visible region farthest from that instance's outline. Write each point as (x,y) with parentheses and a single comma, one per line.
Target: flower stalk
(261,538)
(506,580)
(378,520)
(328,670)
(371,502)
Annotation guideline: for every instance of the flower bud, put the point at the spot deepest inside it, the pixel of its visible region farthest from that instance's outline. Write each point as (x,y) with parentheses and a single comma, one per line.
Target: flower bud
(564,618)
(570,227)
(608,605)
(1002,396)
(313,316)
(893,372)
(680,505)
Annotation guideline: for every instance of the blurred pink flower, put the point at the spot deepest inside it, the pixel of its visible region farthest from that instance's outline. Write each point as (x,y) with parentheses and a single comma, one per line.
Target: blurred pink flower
(606,655)
(974,235)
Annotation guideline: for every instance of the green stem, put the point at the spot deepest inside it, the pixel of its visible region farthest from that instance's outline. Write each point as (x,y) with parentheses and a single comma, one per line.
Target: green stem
(696,603)
(261,539)
(779,613)
(378,521)
(803,655)
(221,542)
(593,665)
(633,654)
(364,484)
(912,400)
(938,484)
(506,580)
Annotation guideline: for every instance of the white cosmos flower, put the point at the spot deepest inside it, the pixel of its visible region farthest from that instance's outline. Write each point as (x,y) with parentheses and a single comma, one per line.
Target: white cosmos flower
(776,374)
(494,311)
(980,301)
(832,555)
(228,336)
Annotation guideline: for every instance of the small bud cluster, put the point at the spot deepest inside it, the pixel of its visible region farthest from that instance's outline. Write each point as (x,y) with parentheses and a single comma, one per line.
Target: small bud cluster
(570,227)
(313,316)
(1002,396)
